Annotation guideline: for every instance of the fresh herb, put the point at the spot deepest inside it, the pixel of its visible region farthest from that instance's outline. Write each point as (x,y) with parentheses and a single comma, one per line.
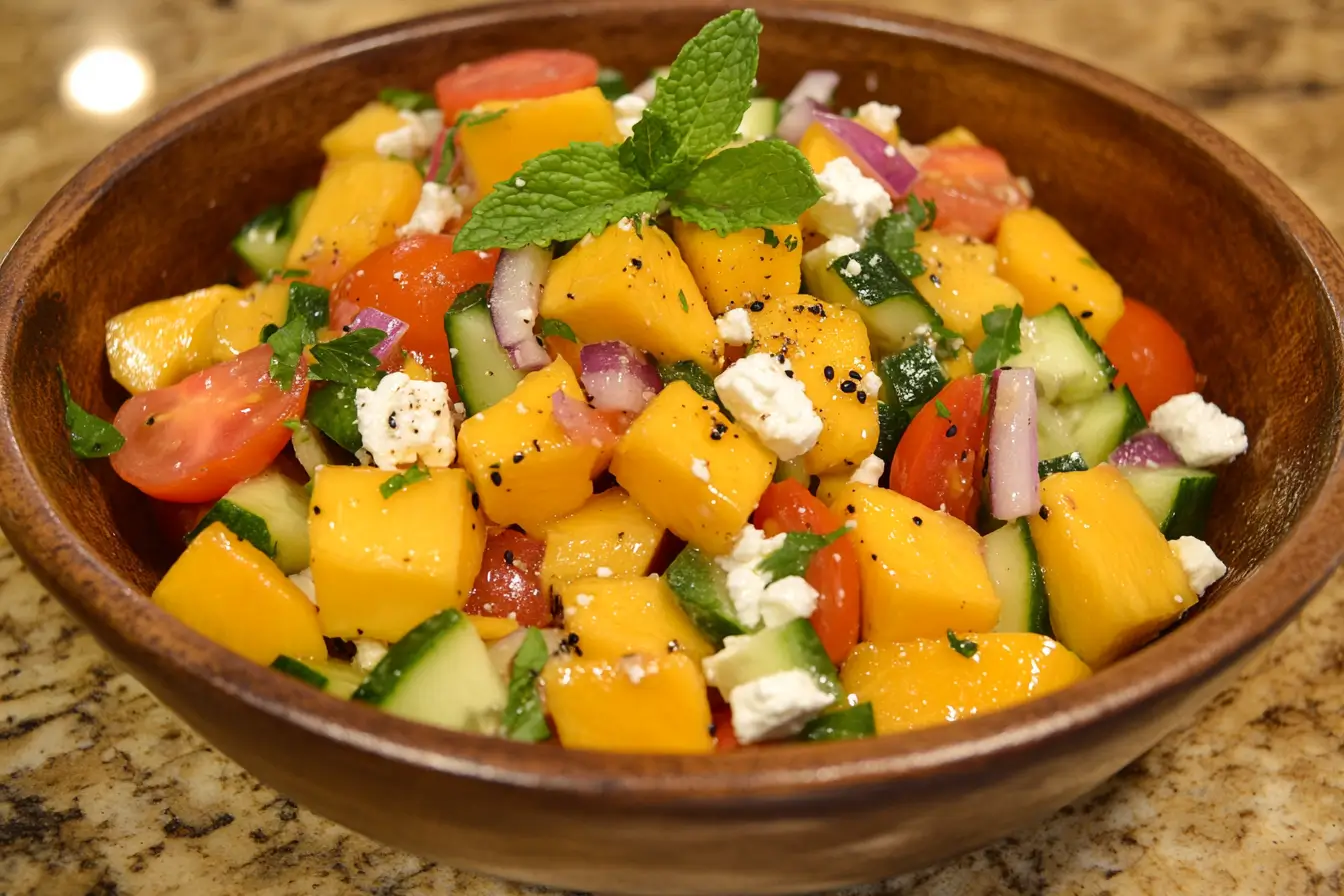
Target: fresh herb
(349,359)
(942,409)
(470,298)
(557,328)
(1089,262)
(685,306)
(448,146)
(894,235)
(568,193)
(311,305)
(523,716)
(241,522)
(399,481)
(404,100)
(612,83)
(287,345)
(966,648)
(292,425)
(873,277)
(790,243)
(90,435)
(268,330)
(332,410)
(795,554)
(1003,338)
(693,375)
(769,236)
(286,274)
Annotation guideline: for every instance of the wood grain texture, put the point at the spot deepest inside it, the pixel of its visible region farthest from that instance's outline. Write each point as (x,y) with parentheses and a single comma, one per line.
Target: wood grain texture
(1199,228)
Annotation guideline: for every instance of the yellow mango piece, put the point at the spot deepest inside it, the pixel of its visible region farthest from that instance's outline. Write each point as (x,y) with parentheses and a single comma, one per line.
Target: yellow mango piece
(701,488)
(1045,262)
(1113,582)
(357,208)
(636,704)
(158,343)
(924,682)
(494,150)
(358,135)
(226,589)
(415,370)
(816,336)
(735,270)
(919,578)
(611,531)
(237,322)
(820,147)
(614,617)
(957,136)
(555,475)
(829,485)
(961,364)
(619,285)
(492,628)
(381,566)
(960,283)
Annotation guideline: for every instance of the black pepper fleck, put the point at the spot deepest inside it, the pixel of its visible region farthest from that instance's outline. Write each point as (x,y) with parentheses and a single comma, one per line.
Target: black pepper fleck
(508,557)
(518,458)
(849,508)
(789,374)
(149,421)
(637,263)
(317,511)
(933,278)
(475,501)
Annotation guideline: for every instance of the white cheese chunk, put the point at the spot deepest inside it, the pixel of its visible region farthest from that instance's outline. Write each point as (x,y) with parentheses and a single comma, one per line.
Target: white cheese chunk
(775,706)
(413,139)
(787,599)
(871,383)
(1198,431)
(746,586)
(869,471)
(761,395)
(836,247)
(303,580)
(1201,564)
(878,117)
(629,110)
(369,653)
(437,206)
(852,202)
(735,326)
(406,420)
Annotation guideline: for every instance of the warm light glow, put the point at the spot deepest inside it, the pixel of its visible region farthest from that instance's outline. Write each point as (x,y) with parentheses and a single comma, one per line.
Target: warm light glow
(107,80)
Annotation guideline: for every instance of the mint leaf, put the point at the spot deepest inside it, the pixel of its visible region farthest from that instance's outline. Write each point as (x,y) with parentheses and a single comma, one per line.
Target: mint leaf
(698,107)
(404,100)
(558,328)
(793,557)
(90,435)
(962,646)
(349,359)
(563,194)
(757,185)
(1003,338)
(894,235)
(1089,262)
(523,716)
(241,522)
(395,483)
(287,344)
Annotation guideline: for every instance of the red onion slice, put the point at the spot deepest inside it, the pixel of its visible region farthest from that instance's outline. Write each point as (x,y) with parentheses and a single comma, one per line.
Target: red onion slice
(876,157)
(581,423)
(814,90)
(395,328)
(618,377)
(1147,449)
(514,300)
(1014,482)
(436,156)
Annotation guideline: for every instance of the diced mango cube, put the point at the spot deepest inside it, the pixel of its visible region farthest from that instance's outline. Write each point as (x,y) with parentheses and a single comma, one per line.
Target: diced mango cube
(610,532)
(358,135)
(959,281)
(158,343)
(956,136)
(614,617)
(492,628)
(237,322)
(735,270)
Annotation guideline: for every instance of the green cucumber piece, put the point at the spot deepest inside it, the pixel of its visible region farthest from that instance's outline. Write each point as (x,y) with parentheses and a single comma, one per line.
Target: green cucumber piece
(793,469)
(295,669)
(439,673)
(310,448)
(481,367)
(1091,428)
(241,522)
(1010,556)
(891,425)
(264,242)
(1066,463)
(612,83)
(282,505)
(298,209)
(888,303)
(342,678)
(850,723)
(794,645)
(911,378)
(1177,498)
(760,120)
(701,587)
(1070,367)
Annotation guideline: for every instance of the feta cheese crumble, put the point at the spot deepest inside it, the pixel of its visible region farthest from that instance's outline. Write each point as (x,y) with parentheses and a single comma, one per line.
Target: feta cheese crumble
(871,383)
(369,653)
(787,599)
(437,206)
(754,597)
(404,421)
(837,247)
(775,706)
(878,117)
(853,269)
(1198,431)
(629,110)
(303,580)
(1201,564)
(735,326)
(700,468)
(413,139)
(762,397)
(869,471)
(852,202)
(604,572)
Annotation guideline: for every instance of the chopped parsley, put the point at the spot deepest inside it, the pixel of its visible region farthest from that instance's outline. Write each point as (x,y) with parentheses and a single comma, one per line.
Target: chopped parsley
(963,646)
(349,359)
(558,328)
(685,306)
(942,409)
(1003,338)
(894,235)
(523,716)
(90,435)
(404,100)
(770,239)
(405,478)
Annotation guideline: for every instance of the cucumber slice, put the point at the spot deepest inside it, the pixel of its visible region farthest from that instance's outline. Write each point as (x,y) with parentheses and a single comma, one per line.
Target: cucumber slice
(296,669)
(701,587)
(1177,498)
(332,410)
(1069,366)
(342,678)
(1066,463)
(612,83)
(693,375)
(913,377)
(283,506)
(760,120)
(309,448)
(792,469)
(439,673)
(298,209)
(481,367)
(1010,555)
(891,425)
(241,522)
(890,306)
(264,241)
(850,723)
(791,646)
(1092,428)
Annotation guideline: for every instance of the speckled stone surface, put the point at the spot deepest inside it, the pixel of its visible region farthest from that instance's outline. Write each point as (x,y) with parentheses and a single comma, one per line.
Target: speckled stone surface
(102,791)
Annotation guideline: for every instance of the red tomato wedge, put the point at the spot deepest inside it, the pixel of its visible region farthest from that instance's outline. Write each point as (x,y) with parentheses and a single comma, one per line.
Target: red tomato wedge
(509,583)
(521,75)
(1150,357)
(972,187)
(725,739)
(938,460)
(196,440)
(417,279)
(834,571)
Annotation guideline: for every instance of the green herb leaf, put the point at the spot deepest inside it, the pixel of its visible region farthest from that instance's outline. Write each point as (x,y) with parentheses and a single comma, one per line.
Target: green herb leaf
(399,481)
(769,236)
(332,410)
(1003,338)
(685,305)
(693,375)
(311,305)
(470,298)
(962,646)
(287,344)
(612,83)
(563,194)
(790,243)
(1089,262)
(942,409)
(558,328)
(406,100)
(523,716)
(793,557)
(241,522)
(349,359)
(762,183)
(874,277)
(1065,463)
(894,235)
(90,435)
(286,274)
(292,425)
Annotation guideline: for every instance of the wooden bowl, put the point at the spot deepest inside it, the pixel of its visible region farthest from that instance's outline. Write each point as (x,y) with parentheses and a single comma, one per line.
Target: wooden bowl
(1183,217)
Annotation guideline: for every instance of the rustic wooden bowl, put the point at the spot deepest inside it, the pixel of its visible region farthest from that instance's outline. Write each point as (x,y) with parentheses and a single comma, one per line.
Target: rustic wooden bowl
(1183,217)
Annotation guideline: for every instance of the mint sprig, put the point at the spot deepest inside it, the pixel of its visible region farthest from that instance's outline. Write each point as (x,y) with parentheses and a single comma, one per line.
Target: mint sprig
(675,155)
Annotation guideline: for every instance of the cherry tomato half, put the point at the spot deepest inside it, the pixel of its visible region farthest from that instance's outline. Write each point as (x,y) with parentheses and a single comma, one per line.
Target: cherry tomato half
(938,460)
(972,188)
(834,571)
(195,440)
(521,75)
(510,580)
(1150,356)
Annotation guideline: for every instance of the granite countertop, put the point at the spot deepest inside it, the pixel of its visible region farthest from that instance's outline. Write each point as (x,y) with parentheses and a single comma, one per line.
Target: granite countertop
(102,791)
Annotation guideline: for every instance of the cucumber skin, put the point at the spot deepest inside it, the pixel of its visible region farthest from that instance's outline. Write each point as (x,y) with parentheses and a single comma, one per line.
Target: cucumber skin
(1038,612)
(850,723)
(295,669)
(1066,463)
(795,645)
(1188,512)
(913,377)
(382,682)
(479,357)
(702,591)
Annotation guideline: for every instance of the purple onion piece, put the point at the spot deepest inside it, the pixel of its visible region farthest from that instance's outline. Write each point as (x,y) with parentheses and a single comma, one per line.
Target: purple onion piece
(876,157)
(514,299)
(617,377)
(1014,483)
(1147,449)
(813,91)
(395,328)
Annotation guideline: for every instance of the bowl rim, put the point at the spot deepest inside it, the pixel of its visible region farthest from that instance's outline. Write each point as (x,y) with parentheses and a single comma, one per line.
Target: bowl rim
(1194,653)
